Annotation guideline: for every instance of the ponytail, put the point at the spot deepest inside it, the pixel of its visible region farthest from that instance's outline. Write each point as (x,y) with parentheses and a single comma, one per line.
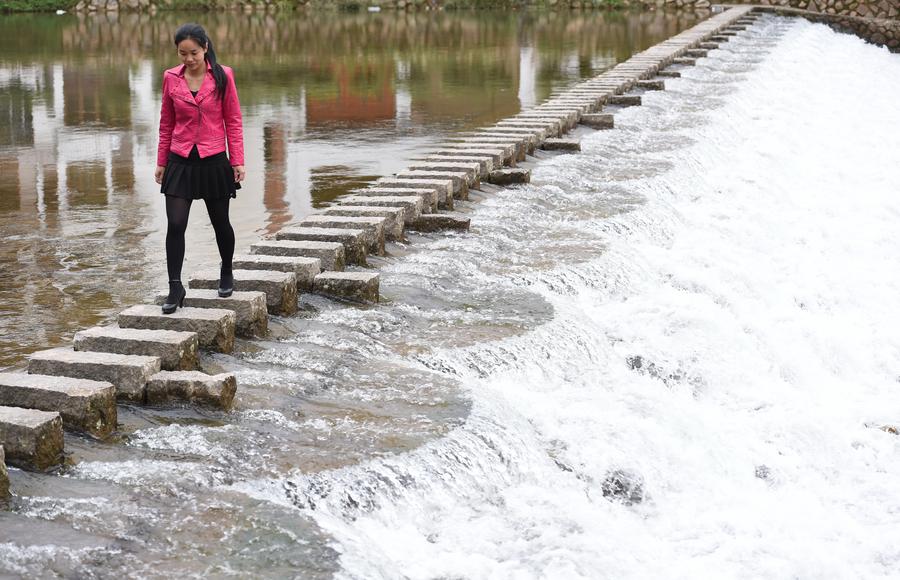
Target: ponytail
(196,33)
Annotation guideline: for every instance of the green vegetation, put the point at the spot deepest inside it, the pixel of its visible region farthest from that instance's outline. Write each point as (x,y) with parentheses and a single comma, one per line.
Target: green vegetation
(35,5)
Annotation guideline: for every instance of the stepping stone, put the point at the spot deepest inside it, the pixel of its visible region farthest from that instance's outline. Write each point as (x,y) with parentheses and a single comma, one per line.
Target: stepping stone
(498,155)
(250,310)
(561,145)
(192,387)
(304,268)
(412,205)
(459,180)
(548,129)
(709,45)
(509,176)
(443,187)
(439,160)
(31,439)
(719,38)
(4,479)
(355,286)
(129,373)
(520,138)
(669,73)
(331,254)
(279,288)
(429,195)
(372,225)
(215,327)
(176,350)
(695,53)
(472,169)
(565,121)
(685,61)
(510,148)
(354,241)
(433,222)
(394,217)
(652,85)
(625,100)
(598,120)
(85,406)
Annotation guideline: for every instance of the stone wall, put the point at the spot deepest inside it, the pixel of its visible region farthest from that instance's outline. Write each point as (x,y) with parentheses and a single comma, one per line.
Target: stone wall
(880,31)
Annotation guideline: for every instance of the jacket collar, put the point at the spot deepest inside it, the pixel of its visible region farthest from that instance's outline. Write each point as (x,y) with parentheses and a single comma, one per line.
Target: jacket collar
(207,88)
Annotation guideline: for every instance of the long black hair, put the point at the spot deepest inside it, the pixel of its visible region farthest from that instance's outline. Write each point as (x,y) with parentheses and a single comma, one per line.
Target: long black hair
(196,33)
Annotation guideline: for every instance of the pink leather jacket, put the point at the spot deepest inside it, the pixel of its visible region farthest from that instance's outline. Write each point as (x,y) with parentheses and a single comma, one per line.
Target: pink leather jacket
(205,121)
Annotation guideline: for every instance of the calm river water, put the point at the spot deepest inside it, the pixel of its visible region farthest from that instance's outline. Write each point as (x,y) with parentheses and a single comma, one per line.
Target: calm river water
(330,101)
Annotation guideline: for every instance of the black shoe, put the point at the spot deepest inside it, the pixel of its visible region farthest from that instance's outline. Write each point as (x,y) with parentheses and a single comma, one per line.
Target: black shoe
(175,298)
(226,283)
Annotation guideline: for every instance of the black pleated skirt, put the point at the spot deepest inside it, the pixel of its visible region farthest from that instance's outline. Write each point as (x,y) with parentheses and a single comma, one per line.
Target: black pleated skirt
(194,178)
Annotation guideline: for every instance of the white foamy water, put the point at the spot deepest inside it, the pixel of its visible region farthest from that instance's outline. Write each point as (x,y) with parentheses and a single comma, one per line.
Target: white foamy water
(724,329)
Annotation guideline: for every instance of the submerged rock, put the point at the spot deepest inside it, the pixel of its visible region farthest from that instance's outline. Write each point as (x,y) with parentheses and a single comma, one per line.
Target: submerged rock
(624,486)
(763,472)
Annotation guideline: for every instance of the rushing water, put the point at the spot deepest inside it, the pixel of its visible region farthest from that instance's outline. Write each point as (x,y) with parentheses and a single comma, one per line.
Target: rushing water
(703,300)
(330,102)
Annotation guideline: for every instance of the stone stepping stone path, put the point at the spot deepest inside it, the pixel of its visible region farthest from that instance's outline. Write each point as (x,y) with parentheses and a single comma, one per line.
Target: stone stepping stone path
(151,358)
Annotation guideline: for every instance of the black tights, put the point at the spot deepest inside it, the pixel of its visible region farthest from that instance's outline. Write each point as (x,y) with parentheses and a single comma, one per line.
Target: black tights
(177,211)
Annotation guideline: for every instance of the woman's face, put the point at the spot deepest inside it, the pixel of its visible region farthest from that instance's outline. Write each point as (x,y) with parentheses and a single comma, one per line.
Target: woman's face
(192,54)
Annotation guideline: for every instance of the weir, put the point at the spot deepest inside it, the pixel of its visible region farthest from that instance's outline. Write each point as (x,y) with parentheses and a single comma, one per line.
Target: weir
(151,359)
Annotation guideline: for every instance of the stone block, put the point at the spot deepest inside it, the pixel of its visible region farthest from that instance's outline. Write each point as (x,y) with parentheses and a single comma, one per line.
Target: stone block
(709,45)
(459,180)
(547,128)
(192,387)
(354,240)
(127,372)
(355,286)
(652,85)
(176,350)
(373,226)
(394,217)
(561,145)
(497,154)
(669,73)
(31,439)
(429,195)
(484,162)
(250,310)
(510,146)
(695,53)
(598,120)
(4,479)
(215,327)
(411,204)
(85,406)
(279,288)
(331,254)
(443,187)
(625,100)
(685,61)
(565,121)
(472,169)
(509,176)
(434,222)
(304,268)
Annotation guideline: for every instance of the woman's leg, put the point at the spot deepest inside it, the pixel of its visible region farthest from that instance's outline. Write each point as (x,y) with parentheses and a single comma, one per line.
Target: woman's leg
(218,216)
(177,211)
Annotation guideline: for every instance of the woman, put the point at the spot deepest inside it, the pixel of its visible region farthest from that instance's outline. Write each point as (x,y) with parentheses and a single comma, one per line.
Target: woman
(201,115)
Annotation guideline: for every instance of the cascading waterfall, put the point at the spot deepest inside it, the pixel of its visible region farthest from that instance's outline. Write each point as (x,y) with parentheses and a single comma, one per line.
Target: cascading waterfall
(722,271)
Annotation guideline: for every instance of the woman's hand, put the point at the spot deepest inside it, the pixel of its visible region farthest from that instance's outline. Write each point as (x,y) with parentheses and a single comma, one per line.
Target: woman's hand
(160,169)
(239,173)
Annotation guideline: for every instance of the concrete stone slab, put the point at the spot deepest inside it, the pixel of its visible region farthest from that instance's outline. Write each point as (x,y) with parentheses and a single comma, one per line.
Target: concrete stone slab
(331,254)
(192,387)
(511,175)
(354,241)
(625,100)
(127,372)
(31,439)
(472,169)
(561,145)
(485,163)
(215,327)
(497,154)
(85,406)
(250,310)
(599,121)
(176,350)
(279,288)
(394,217)
(434,222)
(652,85)
(709,45)
(459,179)
(443,187)
(355,286)
(304,268)
(411,204)
(685,61)
(695,53)
(429,195)
(669,73)
(372,225)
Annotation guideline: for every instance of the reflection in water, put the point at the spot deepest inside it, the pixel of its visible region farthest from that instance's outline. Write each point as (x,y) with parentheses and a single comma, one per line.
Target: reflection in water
(330,102)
